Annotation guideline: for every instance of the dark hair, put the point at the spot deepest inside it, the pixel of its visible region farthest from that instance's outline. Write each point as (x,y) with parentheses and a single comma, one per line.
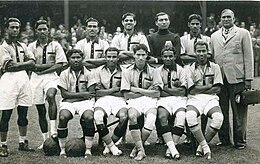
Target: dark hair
(167,48)
(12,20)
(39,22)
(195,16)
(201,43)
(72,51)
(160,14)
(112,49)
(140,47)
(91,20)
(128,14)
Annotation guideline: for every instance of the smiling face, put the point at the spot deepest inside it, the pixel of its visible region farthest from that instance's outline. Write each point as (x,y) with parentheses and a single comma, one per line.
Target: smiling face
(227,19)
(201,52)
(92,29)
(163,22)
(129,23)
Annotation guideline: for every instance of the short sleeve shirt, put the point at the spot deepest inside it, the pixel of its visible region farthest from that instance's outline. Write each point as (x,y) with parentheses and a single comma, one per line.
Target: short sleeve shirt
(136,78)
(51,52)
(72,83)
(170,76)
(17,52)
(122,42)
(92,50)
(187,43)
(108,79)
(210,75)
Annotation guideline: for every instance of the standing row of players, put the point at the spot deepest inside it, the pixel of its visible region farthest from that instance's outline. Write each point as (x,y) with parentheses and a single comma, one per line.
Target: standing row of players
(154,92)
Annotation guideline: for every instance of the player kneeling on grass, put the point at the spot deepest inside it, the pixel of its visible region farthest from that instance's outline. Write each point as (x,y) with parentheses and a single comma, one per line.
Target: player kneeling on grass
(204,81)
(78,91)
(111,100)
(172,101)
(141,93)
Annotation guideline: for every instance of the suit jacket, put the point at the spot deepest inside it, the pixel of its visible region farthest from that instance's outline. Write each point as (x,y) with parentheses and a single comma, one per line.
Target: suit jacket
(235,56)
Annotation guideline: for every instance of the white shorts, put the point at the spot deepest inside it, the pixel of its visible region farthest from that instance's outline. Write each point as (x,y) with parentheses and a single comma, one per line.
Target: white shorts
(111,104)
(78,107)
(203,102)
(142,104)
(172,103)
(40,85)
(15,90)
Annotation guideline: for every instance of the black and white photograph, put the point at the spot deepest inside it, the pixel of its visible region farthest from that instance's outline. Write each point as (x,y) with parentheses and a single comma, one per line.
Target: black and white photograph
(129,81)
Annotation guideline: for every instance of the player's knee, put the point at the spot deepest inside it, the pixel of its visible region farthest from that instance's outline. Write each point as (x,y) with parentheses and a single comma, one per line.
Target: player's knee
(150,121)
(123,116)
(180,118)
(22,121)
(64,116)
(132,117)
(191,117)
(88,116)
(98,117)
(163,118)
(217,120)
(51,95)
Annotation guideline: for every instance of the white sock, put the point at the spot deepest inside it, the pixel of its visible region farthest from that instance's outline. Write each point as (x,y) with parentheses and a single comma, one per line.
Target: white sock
(62,142)
(172,147)
(3,143)
(89,142)
(22,139)
(53,128)
(45,136)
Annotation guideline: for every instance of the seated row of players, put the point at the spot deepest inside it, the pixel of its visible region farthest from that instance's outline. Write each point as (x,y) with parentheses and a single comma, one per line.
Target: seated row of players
(155,92)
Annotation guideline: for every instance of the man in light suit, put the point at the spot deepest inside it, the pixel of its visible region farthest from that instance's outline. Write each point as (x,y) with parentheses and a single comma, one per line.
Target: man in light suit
(232,50)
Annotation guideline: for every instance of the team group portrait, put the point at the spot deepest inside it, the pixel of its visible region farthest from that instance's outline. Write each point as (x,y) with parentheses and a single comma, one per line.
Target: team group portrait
(129,82)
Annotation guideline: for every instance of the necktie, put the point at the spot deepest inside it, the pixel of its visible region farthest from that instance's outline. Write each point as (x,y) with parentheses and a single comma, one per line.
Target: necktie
(226,31)
(44,54)
(169,79)
(16,53)
(129,43)
(140,80)
(92,50)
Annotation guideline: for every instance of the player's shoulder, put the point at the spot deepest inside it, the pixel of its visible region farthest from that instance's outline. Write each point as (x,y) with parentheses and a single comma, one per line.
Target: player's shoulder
(32,44)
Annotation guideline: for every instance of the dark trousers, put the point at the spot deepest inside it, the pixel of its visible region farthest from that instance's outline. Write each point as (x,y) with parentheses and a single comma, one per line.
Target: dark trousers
(228,92)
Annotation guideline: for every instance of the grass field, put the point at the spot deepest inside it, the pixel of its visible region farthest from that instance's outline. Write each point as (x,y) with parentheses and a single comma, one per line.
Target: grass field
(155,153)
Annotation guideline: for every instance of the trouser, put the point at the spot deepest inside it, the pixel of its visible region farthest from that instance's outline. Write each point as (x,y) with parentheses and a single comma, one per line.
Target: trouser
(228,93)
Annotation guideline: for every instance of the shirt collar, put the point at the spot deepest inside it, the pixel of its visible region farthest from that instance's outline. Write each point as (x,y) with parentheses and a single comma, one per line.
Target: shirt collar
(173,67)
(197,64)
(118,68)
(96,40)
(38,42)
(134,33)
(229,30)
(81,71)
(10,42)
(192,35)
(145,68)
